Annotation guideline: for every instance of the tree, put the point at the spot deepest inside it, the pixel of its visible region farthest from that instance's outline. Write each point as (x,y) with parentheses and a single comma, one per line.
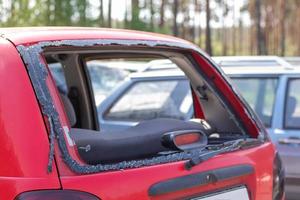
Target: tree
(198,10)
(260,38)
(101,14)
(1,12)
(152,12)
(282,27)
(233,29)
(109,14)
(135,12)
(207,30)
(162,14)
(224,30)
(175,13)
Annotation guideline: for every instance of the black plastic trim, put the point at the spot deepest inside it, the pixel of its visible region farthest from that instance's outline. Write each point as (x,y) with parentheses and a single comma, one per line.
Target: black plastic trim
(199,179)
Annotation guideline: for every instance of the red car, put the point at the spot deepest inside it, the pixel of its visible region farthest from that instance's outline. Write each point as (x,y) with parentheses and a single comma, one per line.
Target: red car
(52,147)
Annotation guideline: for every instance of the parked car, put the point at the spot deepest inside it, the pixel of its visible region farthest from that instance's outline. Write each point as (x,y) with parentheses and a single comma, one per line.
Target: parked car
(273,92)
(53,148)
(170,93)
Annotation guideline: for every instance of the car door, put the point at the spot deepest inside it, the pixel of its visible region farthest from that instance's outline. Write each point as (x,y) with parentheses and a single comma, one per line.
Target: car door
(287,133)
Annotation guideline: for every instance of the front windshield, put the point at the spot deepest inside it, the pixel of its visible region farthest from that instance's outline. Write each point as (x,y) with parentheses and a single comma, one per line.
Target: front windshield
(260,95)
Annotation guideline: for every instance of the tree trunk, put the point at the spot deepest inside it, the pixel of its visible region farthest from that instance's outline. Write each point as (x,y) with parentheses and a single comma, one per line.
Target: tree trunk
(298,28)
(185,27)
(82,5)
(126,21)
(162,14)
(224,29)
(135,12)
(282,27)
(233,30)
(175,12)
(260,39)
(109,14)
(101,15)
(152,15)
(241,37)
(207,31)
(48,13)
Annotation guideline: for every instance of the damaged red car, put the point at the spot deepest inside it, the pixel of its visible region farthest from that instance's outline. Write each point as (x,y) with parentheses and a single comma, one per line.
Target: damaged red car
(52,145)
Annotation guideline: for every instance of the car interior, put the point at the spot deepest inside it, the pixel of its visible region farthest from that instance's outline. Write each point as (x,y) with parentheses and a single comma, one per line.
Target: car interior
(148,138)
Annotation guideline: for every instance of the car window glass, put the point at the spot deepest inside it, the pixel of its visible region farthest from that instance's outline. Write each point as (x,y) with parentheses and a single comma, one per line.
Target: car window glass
(260,95)
(292,107)
(153,99)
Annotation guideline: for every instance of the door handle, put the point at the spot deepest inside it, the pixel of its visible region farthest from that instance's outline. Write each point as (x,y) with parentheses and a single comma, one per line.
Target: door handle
(290,140)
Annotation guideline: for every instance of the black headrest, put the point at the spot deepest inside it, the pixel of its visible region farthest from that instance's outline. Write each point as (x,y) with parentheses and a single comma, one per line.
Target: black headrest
(69,109)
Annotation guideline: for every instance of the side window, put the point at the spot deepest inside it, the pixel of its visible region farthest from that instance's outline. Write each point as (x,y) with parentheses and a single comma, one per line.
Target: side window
(260,95)
(292,105)
(153,99)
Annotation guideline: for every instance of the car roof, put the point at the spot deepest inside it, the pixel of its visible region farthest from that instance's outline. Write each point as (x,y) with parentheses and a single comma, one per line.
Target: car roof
(256,65)
(251,61)
(260,71)
(295,61)
(30,35)
(230,71)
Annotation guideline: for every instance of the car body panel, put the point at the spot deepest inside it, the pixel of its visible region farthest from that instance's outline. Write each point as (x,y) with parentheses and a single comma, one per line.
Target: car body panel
(129,185)
(31,35)
(23,139)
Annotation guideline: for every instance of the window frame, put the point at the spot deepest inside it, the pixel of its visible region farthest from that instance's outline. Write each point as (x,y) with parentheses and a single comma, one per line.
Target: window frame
(287,90)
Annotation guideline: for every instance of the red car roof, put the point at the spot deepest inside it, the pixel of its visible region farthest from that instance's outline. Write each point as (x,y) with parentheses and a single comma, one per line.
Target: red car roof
(30,35)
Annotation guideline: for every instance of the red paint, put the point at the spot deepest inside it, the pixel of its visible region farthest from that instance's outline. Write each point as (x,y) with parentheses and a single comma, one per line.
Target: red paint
(25,146)
(198,112)
(33,35)
(134,183)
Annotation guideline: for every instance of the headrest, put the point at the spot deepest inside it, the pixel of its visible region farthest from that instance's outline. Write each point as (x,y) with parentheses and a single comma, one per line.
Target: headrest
(69,109)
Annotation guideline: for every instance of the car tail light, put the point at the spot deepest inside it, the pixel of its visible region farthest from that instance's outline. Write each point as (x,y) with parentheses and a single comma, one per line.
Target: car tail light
(56,195)
(278,178)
